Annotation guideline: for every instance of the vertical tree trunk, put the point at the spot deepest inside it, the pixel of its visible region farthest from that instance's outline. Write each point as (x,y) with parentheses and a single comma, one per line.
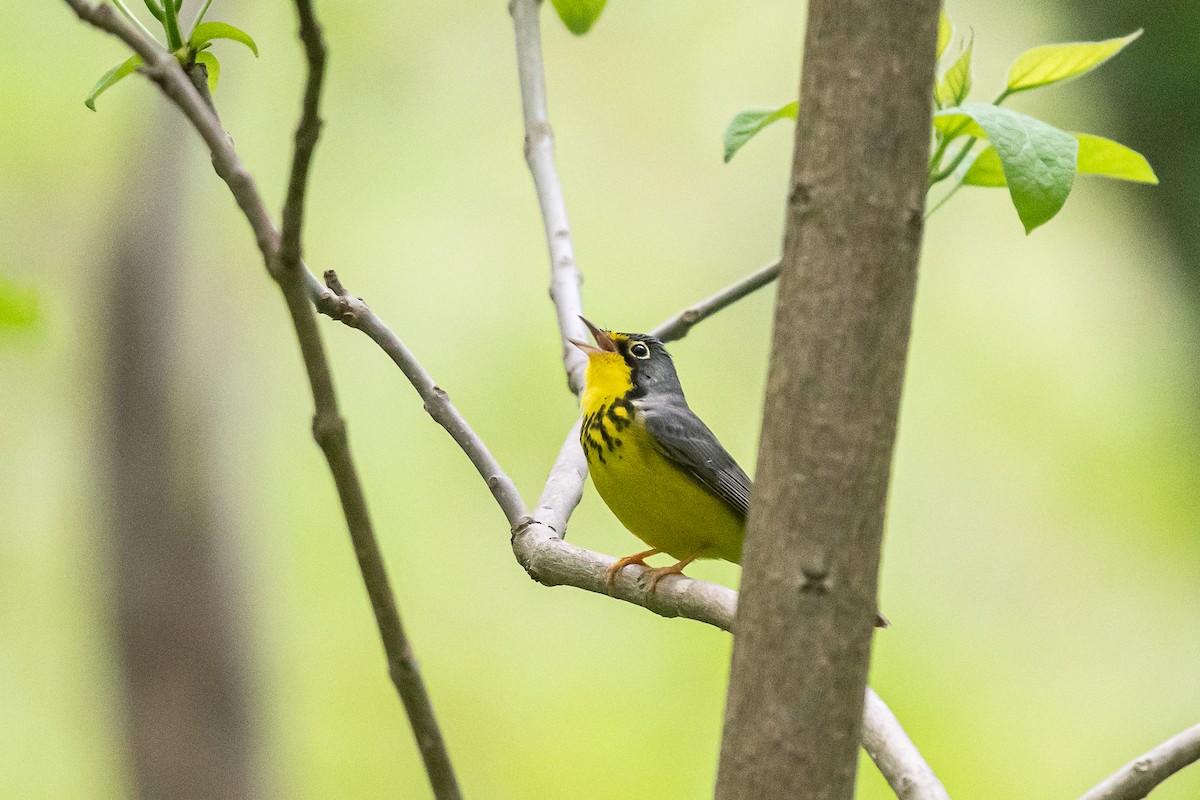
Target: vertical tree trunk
(848,278)
(188,728)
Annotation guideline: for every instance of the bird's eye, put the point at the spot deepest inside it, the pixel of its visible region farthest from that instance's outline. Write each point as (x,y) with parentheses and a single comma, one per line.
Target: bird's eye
(639,350)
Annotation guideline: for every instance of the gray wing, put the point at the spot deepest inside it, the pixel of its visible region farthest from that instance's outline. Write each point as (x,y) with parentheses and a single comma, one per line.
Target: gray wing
(688,442)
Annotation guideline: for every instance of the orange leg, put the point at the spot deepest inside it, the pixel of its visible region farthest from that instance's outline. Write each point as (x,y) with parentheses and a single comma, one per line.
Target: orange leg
(653,576)
(636,558)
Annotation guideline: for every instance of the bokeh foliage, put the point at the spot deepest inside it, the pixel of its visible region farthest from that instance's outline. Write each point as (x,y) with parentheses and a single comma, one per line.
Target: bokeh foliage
(1041,556)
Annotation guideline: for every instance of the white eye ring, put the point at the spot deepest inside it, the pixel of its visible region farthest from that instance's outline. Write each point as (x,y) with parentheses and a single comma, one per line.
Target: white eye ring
(639,350)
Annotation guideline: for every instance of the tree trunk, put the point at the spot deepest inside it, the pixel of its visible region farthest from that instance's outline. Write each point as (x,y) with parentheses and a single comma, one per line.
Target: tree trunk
(842,318)
(188,725)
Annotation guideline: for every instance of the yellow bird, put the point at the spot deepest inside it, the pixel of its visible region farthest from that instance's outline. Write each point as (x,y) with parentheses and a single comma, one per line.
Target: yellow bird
(657,466)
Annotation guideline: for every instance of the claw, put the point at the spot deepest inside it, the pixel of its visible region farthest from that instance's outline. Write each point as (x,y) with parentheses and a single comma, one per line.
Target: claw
(653,576)
(610,575)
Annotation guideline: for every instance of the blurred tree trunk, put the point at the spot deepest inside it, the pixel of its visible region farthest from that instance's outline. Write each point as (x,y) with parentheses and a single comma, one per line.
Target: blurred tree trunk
(187,724)
(842,318)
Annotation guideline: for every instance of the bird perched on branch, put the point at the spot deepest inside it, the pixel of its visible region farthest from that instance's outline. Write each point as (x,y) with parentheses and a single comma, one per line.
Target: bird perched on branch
(660,469)
(657,466)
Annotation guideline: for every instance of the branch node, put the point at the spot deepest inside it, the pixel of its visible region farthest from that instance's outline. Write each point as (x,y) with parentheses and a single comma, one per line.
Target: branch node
(329,429)
(335,283)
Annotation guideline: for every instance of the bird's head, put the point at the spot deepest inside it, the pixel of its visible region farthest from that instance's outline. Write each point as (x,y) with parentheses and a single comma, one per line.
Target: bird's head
(623,362)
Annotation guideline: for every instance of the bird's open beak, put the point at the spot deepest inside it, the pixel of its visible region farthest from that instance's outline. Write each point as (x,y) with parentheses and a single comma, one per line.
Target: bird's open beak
(604,342)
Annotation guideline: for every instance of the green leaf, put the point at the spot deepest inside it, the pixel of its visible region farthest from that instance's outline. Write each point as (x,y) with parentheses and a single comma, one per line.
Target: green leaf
(945,31)
(956,83)
(122,70)
(985,169)
(579,15)
(212,66)
(1053,63)
(1109,159)
(1097,156)
(745,125)
(206,32)
(953,123)
(18,305)
(1037,159)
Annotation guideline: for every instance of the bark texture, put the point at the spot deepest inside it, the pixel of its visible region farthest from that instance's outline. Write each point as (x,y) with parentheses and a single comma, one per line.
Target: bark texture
(842,319)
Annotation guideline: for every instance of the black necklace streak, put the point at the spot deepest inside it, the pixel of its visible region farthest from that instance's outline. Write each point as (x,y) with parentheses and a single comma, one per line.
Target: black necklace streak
(595,436)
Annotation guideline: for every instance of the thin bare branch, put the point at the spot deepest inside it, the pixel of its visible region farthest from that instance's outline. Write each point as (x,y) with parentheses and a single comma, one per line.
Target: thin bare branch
(329,429)
(565,279)
(539,547)
(681,324)
(1139,777)
(341,305)
(895,755)
(283,262)
(308,131)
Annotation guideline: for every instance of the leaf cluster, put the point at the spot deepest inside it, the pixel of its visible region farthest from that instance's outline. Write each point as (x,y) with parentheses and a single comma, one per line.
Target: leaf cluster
(195,50)
(1035,160)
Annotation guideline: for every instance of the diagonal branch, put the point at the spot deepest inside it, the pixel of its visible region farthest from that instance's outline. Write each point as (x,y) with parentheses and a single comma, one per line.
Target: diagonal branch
(329,429)
(537,538)
(281,254)
(682,323)
(538,544)
(339,304)
(1139,777)
(895,755)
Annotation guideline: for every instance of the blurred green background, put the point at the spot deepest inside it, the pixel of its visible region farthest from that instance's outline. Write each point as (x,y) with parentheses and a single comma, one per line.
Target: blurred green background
(1041,565)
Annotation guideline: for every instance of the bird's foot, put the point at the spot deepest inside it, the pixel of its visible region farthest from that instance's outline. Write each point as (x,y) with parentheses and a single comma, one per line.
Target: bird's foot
(610,575)
(653,576)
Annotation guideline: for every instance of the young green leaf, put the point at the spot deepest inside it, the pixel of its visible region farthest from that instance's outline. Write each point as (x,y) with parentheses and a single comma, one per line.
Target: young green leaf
(1054,63)
(212,66)
(984,169)
(122,70)
(1109,159)
(952,122)
(956,83)
(579,15)
(945,31)
(745,125)
(1097,156)
(206,32)
(1037,159)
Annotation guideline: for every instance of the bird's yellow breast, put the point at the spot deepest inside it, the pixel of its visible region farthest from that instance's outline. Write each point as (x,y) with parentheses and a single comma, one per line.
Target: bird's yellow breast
(656,500)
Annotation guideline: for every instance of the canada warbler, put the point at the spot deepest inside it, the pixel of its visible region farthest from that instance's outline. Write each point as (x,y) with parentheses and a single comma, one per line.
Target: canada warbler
(657,466)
